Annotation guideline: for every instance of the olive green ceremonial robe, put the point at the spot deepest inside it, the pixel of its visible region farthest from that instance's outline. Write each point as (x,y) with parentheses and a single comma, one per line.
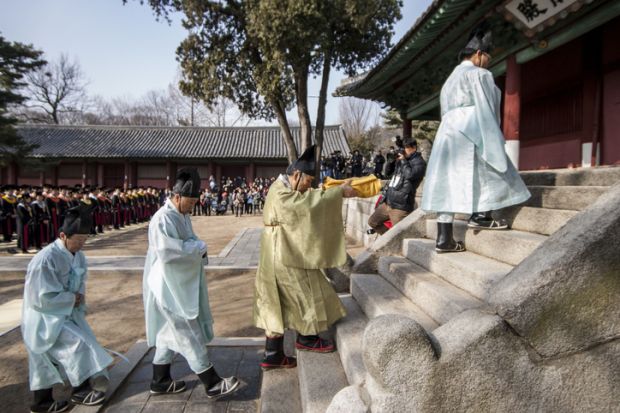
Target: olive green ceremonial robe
(303,235)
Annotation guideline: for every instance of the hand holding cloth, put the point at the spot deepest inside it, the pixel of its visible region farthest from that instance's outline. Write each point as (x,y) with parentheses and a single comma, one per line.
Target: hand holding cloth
(366,186)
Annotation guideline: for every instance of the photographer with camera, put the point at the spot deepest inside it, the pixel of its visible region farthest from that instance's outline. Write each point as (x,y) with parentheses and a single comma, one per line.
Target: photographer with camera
(400,191)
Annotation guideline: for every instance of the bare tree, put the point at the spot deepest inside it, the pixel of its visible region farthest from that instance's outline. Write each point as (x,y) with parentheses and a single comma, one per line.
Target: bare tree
(357,116)
(167,107)
(56,92)
(225,113)
(193,112)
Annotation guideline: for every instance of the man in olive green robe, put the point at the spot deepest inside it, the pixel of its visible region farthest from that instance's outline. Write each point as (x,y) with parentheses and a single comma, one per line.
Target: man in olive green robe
(303,235)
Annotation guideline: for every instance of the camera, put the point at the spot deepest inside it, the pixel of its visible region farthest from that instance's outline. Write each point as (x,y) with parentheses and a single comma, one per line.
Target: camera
(398,141)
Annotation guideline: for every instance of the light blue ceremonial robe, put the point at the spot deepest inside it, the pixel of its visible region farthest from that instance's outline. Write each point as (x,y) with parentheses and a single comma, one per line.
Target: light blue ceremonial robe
(176,301)
(468,170)
(54,331)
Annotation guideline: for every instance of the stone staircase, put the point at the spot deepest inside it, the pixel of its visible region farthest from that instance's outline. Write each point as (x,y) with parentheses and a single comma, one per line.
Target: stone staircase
(436,290)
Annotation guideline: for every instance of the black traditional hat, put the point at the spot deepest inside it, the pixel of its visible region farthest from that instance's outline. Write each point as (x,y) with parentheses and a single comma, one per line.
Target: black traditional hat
(187,183)
(480,39)
(78,220)
(305,163)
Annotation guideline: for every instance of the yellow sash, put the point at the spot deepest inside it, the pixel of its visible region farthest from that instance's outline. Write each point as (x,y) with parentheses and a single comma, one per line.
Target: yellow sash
(366,186)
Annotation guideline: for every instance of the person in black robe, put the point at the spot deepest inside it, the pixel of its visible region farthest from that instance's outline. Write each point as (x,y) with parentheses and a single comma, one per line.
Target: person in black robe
(41,219)
(52,203)
(25,230)
(7,214)
(117,212)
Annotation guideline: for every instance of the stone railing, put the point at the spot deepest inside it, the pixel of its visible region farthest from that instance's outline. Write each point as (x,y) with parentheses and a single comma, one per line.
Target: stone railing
(355,213)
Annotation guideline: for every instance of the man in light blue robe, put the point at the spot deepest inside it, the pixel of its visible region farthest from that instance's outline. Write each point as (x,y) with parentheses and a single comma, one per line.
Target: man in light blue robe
(176,301)
(468,171)
(59,341)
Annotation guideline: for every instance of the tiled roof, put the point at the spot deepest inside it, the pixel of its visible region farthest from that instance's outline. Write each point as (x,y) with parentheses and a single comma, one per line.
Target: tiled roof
(168,142)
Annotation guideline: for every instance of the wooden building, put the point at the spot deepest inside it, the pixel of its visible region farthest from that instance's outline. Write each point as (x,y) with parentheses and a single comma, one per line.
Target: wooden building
(131,156)
(557,63)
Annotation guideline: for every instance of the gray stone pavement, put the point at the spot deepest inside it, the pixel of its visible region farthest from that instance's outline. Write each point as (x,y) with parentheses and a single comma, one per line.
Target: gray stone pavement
(242,252)
(243,362)
(12,246)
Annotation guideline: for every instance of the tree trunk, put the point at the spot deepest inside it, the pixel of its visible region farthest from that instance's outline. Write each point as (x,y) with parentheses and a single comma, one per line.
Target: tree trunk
(54,114)
(320,116)
(301,95)
(285,129)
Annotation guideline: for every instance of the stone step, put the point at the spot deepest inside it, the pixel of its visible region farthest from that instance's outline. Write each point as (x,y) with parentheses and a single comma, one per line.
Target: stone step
(321,376)
(436,297)
(469,271)
(280,391)
(575,198)
(349,335)
(118,375)
(509,246)
(376,296)
(599,176)
(542,221)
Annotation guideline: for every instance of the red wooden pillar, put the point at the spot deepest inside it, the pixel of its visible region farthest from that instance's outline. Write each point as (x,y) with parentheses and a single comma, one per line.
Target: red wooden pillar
(512,109)
(169,175)
(84,170)
(406,128)
(592,98)
(11,174)
(250,172)
(173,175)
(99,175)
(218,174)
(55,176)
(126,175)
(41,178)
(211,167)
(134,175)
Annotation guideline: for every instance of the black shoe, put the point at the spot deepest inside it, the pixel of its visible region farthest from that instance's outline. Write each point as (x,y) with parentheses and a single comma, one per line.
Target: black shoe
(278,361)
(274,355)
(215,386)
(50,407)
(314,343)
(484,220)
(88,397)
(44,402)
(162,383)
(370,231)
(445,239)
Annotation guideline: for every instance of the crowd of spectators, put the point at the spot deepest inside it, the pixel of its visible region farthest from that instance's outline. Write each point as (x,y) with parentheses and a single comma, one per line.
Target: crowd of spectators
(34,214)
(233,194)
(338,166)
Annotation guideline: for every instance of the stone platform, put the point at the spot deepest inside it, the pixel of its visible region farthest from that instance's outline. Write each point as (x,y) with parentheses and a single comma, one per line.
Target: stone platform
(134,395)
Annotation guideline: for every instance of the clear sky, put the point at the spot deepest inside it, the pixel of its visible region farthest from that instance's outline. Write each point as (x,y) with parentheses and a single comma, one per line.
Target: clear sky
(123,50)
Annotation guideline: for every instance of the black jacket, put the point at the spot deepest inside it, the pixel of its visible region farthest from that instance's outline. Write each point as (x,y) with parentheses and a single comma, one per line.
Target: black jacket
(405,181)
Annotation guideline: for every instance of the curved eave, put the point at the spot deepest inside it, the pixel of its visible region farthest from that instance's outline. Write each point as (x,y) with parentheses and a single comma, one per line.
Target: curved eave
(427,29)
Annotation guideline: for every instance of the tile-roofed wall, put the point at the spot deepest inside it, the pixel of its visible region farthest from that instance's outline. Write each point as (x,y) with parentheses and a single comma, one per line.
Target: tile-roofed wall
(167,142)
